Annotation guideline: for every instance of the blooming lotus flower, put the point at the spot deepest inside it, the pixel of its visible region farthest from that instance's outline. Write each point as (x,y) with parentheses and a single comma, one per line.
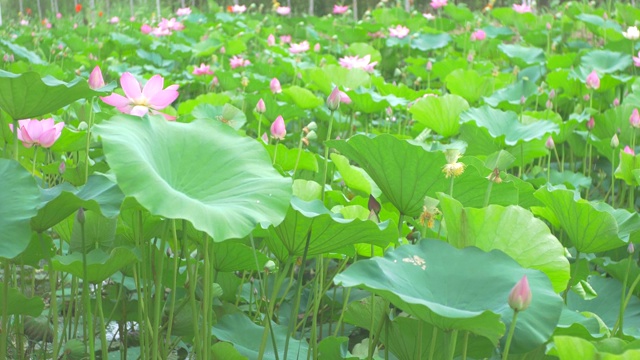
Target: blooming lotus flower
(96,81)
(636,60)
(398,31)
(428,16)
(299,48)
(333,100)
(355,62)
(275,87)
(202,70)
(634,119)
(24,22)
(478,35)
(183,11)
(114,20)
(629,150)
(283,10)
(38,132)
(340,9)
(593,81)
(160,32)
(285,39)
(520,296)
(238,61)
(523,8)
(632,33)
(139,101)
(436,4)
(278,128)
(146,29)
(238,9)
(271,40)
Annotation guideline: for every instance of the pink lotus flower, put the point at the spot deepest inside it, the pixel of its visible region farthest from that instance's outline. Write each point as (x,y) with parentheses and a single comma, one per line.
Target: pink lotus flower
(38,132)
(24,22)
(278,128)
(58,16)
(429,16)
(636,60)
(275,87)
(355,62)
(340,9)
(183,11)
(238,9)
(634,119)
(436,4)
(399,31)
(523,8)
(202,70)
(271,40)
(146,29)
(629,150)
(96,81)
(299,48)
(520,296)
(593,81)
(478,35)
(283,10)
(114,20)
(238,61)
(285,39)
(140,102)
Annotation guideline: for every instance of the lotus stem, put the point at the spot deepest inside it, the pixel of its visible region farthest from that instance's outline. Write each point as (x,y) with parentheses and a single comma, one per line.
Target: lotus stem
(419,344)
(465,345)
(296,305)
(326,155)
(512,329)
(453,339)
(159,295)
(103,326)
(487,195)
(623,293)
(618,326)
(174,281)
(85,294)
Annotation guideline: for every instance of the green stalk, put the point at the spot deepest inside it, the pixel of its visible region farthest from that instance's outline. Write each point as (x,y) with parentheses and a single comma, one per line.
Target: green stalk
(295,167)
(549,168)
(432,346)
(159,294)
(206,301)
(88,141)
(5,309)
(316,304)
(53,301)
(85,295)
(512,329)
(613,178)
(573,276)
(451,186)
(174,282)
(419,345)
(259,126)
(35,160)
(622,293)
(453,339)
(487,194)
(296,304)
(103,326)
(326,155)
(618,326)
(275,151)
(193,283)
(267,319)
(465,345)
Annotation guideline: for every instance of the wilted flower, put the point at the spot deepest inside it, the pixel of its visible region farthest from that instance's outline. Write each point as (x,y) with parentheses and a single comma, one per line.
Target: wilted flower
(38,132)
(399,31)
(453,167)
(275,87)
(139,101)
(340,9)
(632,33)
(96,80)
(593,81)
(278,128)
(520,296)
(203,70)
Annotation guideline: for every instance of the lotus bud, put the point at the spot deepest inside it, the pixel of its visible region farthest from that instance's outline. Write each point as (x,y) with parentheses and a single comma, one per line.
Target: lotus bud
(316,47)
(552,94)
(631,249)
(614,141)
(593,81)
(397,72)
(275,87)
(549,104)
(520,296)
(591,124)
(333,101)
(265,138)
(62,168)
(215,82)
(429,66)
(374,205)
(95,78)
(616,102)
(83,126)
(523,100)
(470,57)
(269,266)
(271,40)
(549,144)
(278,128)
(244,81)
(80,216)
(548,26)
(261,108)
(634,119)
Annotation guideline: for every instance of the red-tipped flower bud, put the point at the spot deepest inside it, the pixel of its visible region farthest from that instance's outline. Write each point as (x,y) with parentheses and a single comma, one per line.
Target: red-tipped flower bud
(520,296)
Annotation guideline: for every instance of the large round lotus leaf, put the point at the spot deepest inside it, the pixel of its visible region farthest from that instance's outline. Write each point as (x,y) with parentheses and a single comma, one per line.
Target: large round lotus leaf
(18,204)
(571,348)
(469,84)
(529,55)
(203,172)
(590,229)
(606,61)
(513,230)
(463,289)
(385,157)
(325,231)
(441,114)
(505,125)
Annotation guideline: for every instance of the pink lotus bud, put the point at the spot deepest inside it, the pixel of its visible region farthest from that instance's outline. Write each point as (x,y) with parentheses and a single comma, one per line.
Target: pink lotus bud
(591,123)
(470,57)
(478,35)
(278,129)
(265,138)
(275,86)
(593,81)
(552,94)
(520,296)
(549,104)
(80,216)
(316,47)
(146,29)
(586,97)
(629,150)
(631,249)
(59,16)
(271,40)
(549,144)
(548,26)
(374,205)
(62,168)
(95,78)
(616,102)
(223,50)
(429,65)
(614,141)
(333,101)
(634,119)
(261,107)
(523,100)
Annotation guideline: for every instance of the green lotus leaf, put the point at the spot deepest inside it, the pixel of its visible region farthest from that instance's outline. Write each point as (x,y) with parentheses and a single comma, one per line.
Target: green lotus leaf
(203,172)
(27,95)
(501,124)
(584,325)
(24,53)
(513,230)
(227,114)
(513,93)
(628,164)
(441,114)
(426,42)
(100,265)
(286,158)
(355,178)
(453,291)
(384,157)
(18,204)
(469,84)
(18,304)
(528,55)
(302,97)
(605,61)
(570,348)
(324,231)
(589,229)
(231,256)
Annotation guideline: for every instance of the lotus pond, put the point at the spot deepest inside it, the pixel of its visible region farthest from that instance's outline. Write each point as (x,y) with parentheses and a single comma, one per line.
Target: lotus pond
(250,182)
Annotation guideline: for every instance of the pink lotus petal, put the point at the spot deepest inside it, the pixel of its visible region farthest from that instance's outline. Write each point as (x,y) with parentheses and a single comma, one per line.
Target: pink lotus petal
(163,99)
(26,139)
(139,110)
(34,129)
(130,85)
(47,138)
(153,86)
(166,116)
(116,100)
